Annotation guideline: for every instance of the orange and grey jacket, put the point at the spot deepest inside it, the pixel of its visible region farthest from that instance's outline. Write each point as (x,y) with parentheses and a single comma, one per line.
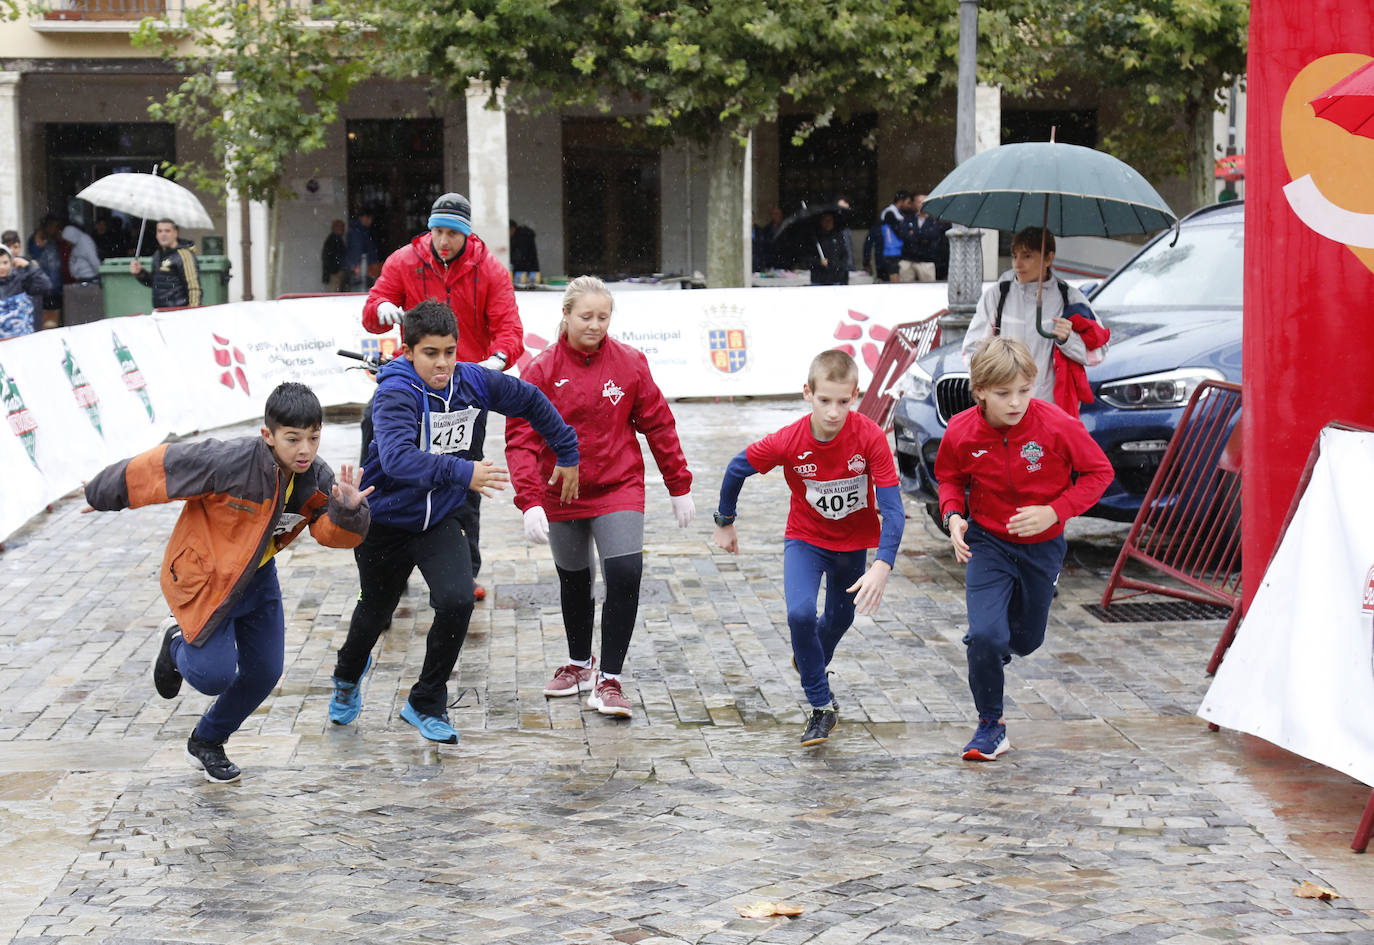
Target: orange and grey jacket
(236,510)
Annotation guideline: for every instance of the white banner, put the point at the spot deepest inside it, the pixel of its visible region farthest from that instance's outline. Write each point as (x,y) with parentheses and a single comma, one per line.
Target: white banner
(1300,673)
(77,399)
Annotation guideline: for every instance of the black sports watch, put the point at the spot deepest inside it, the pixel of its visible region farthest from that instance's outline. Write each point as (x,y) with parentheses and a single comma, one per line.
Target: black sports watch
(950,515)
(723,520)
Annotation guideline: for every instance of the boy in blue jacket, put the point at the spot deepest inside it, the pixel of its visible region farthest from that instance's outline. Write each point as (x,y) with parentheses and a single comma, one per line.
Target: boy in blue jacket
(426,405)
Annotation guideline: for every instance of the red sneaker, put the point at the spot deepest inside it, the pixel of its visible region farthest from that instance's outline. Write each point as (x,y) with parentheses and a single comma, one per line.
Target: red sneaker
(570,680)
(607,698)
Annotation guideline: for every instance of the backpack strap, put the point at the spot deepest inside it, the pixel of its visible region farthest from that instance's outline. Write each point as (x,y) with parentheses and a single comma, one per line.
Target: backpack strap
(1003,288)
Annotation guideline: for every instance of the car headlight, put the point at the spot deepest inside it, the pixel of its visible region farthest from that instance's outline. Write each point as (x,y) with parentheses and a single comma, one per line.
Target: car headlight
(916,383)
(1153,391)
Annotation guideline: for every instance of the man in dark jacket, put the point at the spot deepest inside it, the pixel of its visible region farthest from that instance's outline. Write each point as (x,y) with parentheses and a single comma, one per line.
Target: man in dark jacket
(173,272)
(332,257)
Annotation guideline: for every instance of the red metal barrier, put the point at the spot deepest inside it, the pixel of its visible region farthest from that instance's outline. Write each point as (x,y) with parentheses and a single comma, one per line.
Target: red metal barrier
(908,341)
(1188,527)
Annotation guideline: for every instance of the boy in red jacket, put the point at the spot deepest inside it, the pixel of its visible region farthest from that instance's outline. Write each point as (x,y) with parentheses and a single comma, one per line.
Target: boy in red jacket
(1014,457)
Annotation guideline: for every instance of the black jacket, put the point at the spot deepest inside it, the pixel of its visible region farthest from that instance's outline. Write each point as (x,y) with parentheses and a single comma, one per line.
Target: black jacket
(174,275)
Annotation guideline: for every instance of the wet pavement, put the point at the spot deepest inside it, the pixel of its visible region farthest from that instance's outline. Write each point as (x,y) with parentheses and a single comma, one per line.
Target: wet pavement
(1117,818)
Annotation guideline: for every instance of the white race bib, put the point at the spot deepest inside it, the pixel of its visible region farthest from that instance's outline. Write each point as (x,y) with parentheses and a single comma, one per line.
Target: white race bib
(452,432)
(836,498)
(288,521)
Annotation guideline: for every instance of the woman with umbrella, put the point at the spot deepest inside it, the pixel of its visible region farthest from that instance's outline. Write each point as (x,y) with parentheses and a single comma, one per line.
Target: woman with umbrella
(1028,295)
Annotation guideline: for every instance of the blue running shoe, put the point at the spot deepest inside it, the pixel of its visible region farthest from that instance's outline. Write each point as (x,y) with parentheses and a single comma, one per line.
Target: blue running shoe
(348,698)
(988,742)
(433,727)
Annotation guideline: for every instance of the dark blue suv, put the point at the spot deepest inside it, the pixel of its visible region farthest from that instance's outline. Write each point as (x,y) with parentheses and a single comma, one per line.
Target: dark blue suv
(1174,310)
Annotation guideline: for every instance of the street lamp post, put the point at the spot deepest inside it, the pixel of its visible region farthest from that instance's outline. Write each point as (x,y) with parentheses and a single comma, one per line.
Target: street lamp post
(965,245)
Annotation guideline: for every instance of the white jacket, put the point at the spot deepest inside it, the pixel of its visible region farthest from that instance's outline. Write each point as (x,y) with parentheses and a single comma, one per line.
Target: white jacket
(1018,322)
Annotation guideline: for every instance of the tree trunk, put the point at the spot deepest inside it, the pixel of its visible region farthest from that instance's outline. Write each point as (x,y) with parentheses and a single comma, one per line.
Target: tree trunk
(725,213)
(274,255)
(1201,157)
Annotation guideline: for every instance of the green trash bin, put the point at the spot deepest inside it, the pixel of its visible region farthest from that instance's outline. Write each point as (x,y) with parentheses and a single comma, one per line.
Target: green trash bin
(214,280)
(124,294)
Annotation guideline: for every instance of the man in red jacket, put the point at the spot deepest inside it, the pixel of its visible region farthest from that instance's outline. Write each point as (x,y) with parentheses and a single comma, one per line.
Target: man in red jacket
(452,265)
(1012,470)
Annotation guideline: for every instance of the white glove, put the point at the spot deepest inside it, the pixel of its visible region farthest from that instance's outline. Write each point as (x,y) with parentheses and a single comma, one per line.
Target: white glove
(389,313)
(536,525)
(684,508)
(493,363)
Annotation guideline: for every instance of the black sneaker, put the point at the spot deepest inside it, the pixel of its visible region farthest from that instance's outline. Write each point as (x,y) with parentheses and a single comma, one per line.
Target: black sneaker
(818,727)
(166,676)
(210,757)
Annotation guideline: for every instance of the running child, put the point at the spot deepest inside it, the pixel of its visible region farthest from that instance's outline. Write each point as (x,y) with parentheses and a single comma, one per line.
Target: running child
(1007,469)
(424,415)
(246,499)
(835,462)
(604,389)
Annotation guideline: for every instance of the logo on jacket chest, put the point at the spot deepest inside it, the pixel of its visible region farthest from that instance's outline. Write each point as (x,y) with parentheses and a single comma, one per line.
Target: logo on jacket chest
(612,393)
(1032,453)
(857,464)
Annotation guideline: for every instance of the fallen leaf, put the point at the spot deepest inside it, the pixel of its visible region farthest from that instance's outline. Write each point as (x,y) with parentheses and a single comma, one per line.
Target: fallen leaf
(762,909)
(1310,890)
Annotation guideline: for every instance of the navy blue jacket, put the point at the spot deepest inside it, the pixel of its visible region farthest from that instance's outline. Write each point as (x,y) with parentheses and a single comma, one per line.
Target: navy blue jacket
(418,488)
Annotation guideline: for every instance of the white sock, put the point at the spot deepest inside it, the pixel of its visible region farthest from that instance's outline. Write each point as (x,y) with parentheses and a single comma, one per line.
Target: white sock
(585,664)
(612,676)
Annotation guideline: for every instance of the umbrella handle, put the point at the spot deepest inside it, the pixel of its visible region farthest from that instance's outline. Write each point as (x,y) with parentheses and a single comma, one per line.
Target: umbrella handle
(1039,327)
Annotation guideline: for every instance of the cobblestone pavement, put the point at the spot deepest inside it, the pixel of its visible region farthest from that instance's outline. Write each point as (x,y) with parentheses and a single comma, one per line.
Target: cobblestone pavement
(1118,818)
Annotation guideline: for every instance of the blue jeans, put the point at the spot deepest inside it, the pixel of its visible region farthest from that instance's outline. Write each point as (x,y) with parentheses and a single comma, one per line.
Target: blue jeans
(815,636)
(242,660)
(1008,588)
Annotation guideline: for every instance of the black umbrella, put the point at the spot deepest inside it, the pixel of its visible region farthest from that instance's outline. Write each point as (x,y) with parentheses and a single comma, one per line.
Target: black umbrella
(800,229)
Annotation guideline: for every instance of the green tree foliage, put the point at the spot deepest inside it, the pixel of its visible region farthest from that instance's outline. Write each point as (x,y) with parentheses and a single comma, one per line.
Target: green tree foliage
(701,72)
(262,82)
(1167,62)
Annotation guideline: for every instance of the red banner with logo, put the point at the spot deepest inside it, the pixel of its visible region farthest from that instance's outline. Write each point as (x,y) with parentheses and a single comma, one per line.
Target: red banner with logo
(1309,248)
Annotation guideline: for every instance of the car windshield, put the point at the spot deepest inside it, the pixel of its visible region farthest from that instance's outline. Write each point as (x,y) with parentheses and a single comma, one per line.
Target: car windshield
(1202,270)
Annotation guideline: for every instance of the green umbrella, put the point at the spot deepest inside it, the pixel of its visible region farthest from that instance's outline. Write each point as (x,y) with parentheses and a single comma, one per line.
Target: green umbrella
(1066,189)
(1089,193)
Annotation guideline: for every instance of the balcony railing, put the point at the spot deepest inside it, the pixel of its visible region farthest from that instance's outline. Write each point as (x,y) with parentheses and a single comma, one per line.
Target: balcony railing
(120,15)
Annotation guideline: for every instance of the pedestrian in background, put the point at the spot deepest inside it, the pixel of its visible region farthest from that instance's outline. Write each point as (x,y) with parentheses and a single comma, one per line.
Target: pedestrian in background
(333,268)
(524,255)
(1012,471)
(834,253)
(173,273)
(21,282)
(838,465)
(604,391)
(360,252)
(50,251)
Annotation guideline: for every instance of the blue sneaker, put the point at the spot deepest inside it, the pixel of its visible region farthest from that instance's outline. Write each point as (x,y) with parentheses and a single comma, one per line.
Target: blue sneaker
(433,727)
(988,742)
(348,698)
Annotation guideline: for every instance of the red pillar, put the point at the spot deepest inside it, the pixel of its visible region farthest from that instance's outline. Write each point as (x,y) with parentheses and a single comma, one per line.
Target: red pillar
(1309,294)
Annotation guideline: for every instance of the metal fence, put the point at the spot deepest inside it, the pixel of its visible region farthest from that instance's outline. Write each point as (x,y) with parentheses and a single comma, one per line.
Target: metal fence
(1188,527)
(908,341)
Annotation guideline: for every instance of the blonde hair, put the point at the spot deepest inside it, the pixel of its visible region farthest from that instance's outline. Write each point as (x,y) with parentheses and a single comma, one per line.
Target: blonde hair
(579,288)
(997,361)
(832,365)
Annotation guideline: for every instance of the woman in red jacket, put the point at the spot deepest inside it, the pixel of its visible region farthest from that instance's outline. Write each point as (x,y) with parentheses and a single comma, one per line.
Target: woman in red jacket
(604,390)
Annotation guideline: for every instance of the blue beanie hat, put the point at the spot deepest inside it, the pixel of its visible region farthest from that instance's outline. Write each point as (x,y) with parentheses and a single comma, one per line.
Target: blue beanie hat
(452,211)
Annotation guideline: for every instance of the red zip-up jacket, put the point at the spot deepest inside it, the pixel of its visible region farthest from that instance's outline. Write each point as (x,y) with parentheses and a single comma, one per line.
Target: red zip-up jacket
(608,397)
(1028,464)
(475,285)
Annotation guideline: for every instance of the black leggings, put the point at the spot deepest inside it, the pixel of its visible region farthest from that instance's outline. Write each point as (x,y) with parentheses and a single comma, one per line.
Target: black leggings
(622,576)
(385,559)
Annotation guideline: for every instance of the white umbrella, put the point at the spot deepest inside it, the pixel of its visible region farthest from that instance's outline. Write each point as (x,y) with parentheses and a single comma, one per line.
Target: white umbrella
(150,197)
